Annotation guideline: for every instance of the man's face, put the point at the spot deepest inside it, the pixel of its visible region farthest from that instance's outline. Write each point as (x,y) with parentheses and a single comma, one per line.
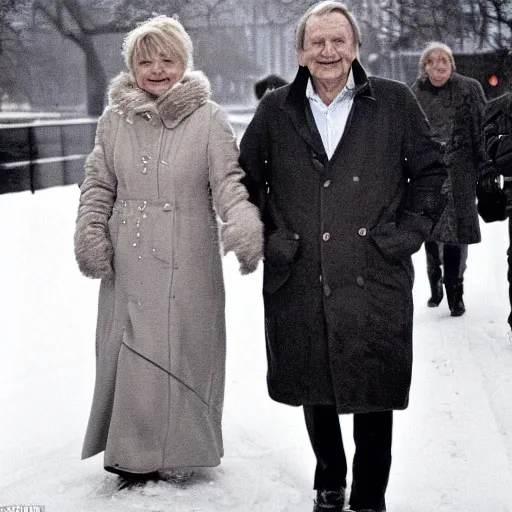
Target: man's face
(438,67)
(329,47)
(156,74)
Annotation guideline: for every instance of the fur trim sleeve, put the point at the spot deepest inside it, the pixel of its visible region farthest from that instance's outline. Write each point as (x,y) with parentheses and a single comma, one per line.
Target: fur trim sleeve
(242,229)
(93,246)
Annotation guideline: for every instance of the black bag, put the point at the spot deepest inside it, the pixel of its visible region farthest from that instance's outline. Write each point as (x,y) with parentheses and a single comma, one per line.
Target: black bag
(491,199)
(503,156)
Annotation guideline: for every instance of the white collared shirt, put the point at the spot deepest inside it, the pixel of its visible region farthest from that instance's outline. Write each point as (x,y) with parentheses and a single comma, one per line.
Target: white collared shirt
(332,119)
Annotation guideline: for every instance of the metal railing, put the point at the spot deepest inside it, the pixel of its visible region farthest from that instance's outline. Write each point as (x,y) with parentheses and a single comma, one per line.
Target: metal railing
(43,153)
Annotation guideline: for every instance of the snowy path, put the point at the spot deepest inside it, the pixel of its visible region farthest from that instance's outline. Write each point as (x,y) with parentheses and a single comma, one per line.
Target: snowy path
(452,447)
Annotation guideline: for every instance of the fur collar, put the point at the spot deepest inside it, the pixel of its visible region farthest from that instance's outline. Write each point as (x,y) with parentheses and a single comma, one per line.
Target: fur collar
(128,100)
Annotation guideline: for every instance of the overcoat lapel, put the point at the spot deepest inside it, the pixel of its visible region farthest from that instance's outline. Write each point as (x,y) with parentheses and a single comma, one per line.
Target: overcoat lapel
(295,105)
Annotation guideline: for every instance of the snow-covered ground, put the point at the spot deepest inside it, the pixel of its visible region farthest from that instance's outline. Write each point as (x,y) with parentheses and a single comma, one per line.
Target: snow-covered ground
(452,446)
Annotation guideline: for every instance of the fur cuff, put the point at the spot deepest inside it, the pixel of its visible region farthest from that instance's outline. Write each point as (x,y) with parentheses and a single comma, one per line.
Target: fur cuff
(243,234)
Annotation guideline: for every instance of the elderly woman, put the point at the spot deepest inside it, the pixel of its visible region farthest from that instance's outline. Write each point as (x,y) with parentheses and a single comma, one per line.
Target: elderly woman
(163,174)
(454,105)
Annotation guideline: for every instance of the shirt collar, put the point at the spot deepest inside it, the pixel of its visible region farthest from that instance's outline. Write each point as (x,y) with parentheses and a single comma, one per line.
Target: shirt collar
(349,87)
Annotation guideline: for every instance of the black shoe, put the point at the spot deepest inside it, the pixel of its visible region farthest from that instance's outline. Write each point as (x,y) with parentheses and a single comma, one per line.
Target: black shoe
(437,294)
(129,480)
(454,292)
(329,501)
(458,308)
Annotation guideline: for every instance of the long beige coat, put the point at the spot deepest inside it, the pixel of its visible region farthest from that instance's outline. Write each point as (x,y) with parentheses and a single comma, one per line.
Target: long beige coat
(160,173)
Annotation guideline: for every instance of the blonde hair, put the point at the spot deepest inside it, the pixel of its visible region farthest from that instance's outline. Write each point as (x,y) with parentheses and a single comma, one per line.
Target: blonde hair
(320,9)
(432,47)
(160,34)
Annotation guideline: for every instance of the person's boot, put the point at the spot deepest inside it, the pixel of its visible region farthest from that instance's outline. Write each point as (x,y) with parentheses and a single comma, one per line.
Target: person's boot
(178,475)
(436,288)
(454,293)
(329,501)
(435,278)
(130,480)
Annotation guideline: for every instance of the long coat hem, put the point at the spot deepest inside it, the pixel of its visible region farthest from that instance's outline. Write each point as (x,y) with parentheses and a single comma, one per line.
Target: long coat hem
(340,408)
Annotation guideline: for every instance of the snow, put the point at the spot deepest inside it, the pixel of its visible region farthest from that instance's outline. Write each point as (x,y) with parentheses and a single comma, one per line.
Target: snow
(452,447)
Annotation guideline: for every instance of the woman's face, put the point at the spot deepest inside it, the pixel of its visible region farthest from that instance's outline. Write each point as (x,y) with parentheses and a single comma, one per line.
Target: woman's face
(438,67)
(157,73)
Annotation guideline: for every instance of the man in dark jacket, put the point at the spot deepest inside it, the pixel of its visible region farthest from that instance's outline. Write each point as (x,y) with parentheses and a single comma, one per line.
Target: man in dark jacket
(497,128)
(348,180)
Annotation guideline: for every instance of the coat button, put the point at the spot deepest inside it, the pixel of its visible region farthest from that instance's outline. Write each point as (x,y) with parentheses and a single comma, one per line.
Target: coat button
(296,236)
(167,207)
(355,178)
(361,232)
(326,237)
(327,290)
(327,183)
(360,280)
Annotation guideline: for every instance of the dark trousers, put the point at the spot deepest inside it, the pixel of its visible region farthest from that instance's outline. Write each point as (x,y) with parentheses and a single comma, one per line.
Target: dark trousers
(452,256)
(509,272)
(372,457)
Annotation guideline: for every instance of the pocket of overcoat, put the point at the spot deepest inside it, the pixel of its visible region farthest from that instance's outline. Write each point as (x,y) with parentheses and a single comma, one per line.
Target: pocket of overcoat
(397,242)
(281,248)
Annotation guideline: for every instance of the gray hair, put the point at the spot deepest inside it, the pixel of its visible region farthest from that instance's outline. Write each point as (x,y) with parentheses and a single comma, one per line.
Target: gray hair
(320,9)
(432,47)
(158,34)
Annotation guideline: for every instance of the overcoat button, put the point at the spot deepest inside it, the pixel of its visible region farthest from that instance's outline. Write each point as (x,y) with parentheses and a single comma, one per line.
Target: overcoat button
(167,207)
(355,178)
(296,236)
(326,237)
(327,290)
(362,232)
(327,183)
(360,280)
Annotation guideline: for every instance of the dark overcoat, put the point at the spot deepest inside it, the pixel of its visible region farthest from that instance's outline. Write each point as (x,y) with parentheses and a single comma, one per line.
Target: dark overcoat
(338,274)
(497,129)
(455,112)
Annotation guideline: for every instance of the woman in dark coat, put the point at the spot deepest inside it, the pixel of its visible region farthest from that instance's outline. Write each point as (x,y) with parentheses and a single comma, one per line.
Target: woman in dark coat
(454,105)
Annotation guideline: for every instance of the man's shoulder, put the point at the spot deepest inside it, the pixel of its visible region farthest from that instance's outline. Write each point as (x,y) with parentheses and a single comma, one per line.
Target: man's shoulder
(500,104)
(502,101)
(387,87)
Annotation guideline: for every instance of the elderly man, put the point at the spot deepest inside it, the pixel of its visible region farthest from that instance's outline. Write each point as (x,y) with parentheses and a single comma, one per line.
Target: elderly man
(348,180)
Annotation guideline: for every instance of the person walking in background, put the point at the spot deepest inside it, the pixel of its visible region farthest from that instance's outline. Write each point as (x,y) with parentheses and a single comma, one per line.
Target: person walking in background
(454,105)
(164,165)
(266,84)
(348,179)
(497,130)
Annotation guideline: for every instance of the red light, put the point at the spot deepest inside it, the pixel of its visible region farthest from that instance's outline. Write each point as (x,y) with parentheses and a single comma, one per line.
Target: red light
(493,80)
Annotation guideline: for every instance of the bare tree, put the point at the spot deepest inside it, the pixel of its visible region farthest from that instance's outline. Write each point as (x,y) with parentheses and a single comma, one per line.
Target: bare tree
(73,20)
